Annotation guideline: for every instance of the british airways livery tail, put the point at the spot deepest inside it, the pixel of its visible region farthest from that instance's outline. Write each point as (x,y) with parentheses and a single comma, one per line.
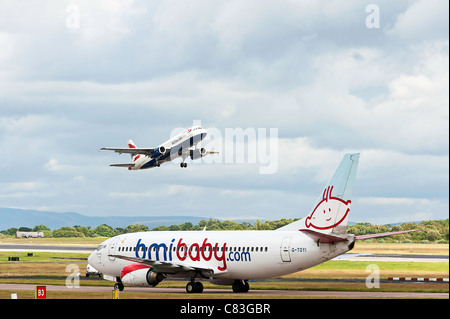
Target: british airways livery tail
(235,257)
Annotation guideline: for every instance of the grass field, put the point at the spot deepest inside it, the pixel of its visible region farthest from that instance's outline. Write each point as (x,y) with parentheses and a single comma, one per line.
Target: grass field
(43,265)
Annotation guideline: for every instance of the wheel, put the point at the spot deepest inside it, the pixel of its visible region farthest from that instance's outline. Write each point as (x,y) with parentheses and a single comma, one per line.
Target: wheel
(194,287)
(236,286)
(119,286)
(198,287)
(190,287)
(240,286)
(246,287)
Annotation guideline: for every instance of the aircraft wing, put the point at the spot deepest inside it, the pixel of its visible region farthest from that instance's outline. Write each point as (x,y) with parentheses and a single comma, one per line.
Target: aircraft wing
(168,267)
(146,151)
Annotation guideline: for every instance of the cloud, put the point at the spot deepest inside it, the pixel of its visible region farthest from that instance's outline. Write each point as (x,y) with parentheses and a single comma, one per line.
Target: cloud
(54,166)
(394,201)
(312,70)
(423,20)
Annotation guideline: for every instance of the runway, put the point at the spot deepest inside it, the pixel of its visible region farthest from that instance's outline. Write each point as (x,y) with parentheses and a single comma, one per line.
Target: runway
(207,293)
(47,248)
(252,293)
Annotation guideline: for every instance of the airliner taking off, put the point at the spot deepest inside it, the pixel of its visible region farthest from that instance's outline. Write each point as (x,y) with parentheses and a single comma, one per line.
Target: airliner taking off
(235,257)
(178,146)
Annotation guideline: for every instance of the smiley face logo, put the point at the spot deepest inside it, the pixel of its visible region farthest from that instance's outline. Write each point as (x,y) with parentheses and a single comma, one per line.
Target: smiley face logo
(329,212)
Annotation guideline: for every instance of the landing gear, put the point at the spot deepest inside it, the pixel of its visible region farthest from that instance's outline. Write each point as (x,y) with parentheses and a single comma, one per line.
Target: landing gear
(240,286)
(194,287)
(119,286)
(183,165)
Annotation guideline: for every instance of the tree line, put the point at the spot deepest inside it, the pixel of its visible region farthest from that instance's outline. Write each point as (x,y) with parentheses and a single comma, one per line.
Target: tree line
(428,231)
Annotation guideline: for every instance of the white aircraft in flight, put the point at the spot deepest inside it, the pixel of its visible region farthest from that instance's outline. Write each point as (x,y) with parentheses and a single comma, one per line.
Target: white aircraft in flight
(235,257)
(178,146)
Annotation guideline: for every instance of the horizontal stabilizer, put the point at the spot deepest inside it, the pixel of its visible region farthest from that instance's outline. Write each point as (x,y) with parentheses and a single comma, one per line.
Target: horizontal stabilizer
(324,238)
(384,234)
(123,165)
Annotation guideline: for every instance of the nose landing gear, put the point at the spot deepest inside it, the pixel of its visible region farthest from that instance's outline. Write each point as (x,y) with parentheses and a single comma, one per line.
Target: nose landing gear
(119,286)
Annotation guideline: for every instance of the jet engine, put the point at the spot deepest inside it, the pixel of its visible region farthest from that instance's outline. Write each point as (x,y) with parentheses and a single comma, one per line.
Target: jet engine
(140,275)
(159,151)
(195,154)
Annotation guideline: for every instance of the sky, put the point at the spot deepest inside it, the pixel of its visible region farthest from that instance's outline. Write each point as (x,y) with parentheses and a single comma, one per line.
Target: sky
(285,89)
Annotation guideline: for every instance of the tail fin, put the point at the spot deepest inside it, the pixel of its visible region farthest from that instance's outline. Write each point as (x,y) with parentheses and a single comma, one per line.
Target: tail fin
(331,210)
(131,144)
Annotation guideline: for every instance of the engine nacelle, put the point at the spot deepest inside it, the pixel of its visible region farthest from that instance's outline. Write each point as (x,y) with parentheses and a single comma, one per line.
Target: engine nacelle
(159,151)
(140,275)
(195,154)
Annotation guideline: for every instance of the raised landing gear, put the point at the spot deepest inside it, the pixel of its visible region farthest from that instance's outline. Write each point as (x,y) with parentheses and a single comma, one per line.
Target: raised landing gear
(240,286)
(194,287)
(183,165)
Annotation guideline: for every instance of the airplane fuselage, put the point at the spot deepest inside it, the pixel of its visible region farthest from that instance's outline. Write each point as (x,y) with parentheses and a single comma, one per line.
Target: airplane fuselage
(178,146)
(234,257)
(231,255)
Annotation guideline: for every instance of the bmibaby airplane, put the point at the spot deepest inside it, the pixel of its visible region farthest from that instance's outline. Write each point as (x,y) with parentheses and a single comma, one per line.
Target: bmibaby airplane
(234,257)
(178,146)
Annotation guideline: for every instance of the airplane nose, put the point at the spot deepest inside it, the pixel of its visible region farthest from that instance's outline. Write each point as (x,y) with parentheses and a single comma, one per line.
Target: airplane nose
(91,259)
(94,259)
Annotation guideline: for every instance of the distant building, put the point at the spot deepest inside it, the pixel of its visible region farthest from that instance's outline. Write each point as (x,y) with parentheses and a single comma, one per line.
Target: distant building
(30,234)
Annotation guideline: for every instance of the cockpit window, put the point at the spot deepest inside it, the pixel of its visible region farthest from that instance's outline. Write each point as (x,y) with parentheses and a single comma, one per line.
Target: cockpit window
(99,247)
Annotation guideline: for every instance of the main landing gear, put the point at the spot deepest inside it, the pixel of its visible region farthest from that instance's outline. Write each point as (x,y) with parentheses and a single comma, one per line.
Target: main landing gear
(194,287)
(240,286)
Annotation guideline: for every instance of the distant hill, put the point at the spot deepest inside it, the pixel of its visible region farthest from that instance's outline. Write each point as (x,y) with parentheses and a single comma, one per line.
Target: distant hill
(11,217)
